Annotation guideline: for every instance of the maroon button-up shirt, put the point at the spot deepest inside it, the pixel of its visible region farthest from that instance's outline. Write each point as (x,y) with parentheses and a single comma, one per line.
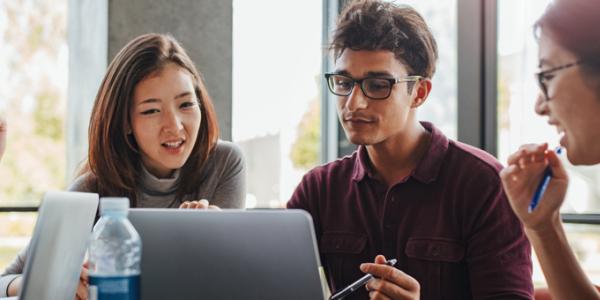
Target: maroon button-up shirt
(449,223)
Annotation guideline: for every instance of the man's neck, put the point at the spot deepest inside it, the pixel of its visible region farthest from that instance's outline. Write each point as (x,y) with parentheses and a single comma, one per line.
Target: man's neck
(398,156)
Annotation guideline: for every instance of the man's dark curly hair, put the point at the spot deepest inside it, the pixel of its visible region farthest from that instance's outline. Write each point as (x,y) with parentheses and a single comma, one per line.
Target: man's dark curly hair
(379,25)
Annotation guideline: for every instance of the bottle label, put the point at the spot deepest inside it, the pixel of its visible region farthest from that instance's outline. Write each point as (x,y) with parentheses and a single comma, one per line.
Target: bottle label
(114,287)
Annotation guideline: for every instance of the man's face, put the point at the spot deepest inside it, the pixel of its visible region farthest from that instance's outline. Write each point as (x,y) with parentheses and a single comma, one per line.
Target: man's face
(367,121)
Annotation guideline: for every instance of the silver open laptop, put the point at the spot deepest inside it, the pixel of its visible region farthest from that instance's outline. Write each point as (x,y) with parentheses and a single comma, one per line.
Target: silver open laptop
(231,254)
(58,244)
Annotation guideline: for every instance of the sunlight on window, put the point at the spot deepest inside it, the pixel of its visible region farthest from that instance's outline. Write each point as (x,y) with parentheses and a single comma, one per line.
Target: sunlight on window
(276,94)
(15,232)
(440,108)
(33,86)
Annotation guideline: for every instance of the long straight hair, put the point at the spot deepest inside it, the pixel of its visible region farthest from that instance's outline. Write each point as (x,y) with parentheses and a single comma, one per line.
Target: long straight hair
(114,157)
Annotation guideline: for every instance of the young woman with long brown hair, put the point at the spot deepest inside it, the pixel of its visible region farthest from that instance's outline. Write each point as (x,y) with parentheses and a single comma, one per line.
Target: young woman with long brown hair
(153,133)
(153,137)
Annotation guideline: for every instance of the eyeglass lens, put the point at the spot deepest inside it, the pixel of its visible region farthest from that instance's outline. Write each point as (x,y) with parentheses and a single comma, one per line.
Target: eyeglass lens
(376,88)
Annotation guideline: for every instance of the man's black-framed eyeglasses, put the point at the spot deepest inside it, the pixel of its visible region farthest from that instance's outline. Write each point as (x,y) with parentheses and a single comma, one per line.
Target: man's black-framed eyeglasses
(376,88)
(545,75)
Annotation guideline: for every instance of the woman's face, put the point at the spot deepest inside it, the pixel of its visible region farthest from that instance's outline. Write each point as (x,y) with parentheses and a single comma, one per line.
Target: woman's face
(574,105)
(165,119)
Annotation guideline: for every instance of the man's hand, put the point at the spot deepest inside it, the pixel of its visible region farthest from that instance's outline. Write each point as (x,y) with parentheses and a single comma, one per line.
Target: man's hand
(82,287)
(3,129)
(389,283)
(201,204)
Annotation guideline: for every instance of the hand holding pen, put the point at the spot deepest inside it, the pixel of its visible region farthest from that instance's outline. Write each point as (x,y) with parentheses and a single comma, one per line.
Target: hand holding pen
(542,186)
(535,182)
(383,281)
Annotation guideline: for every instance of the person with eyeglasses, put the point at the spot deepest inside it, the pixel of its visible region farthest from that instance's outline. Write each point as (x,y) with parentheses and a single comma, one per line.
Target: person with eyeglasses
(569,80)
(408,193)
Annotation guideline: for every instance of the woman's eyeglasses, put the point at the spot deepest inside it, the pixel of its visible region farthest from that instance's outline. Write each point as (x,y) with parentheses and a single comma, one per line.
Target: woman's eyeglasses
(543,76)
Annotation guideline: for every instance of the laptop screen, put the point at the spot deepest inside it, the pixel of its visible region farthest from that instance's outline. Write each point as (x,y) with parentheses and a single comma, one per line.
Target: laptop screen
(58,245)
(230,254)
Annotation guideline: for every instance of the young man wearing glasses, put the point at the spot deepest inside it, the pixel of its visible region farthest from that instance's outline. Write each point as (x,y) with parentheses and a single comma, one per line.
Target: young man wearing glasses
(408,192)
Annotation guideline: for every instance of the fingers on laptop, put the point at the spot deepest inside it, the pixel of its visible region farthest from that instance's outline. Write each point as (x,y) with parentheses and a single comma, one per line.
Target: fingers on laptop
(389,282)
(198,204)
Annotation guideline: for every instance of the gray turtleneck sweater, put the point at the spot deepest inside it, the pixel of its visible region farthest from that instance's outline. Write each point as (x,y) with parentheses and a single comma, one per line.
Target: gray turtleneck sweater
(222,182)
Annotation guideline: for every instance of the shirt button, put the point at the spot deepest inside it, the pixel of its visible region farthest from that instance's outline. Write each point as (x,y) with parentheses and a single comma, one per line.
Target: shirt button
(435,252)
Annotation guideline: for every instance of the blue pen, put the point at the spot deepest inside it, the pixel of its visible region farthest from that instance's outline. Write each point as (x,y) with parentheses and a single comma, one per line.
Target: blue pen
(541,188)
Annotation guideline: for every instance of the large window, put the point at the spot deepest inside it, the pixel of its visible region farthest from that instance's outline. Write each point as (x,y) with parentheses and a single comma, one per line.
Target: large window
(440,108)
(33,84)
(518,124)
(276,94)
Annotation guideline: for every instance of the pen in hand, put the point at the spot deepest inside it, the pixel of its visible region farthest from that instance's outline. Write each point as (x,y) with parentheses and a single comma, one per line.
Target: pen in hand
(541,188)
(357,284)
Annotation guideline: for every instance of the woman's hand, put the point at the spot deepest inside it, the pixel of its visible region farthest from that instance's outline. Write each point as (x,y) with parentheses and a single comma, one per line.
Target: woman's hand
(198,204)
(521,178)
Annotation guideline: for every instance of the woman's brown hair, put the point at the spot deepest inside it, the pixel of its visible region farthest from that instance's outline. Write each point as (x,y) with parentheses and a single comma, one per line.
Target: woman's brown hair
(573,24)
(113,156)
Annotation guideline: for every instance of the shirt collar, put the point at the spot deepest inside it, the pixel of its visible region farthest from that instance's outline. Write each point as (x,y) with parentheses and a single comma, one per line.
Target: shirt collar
(155,186)
(361,165)
(427,169)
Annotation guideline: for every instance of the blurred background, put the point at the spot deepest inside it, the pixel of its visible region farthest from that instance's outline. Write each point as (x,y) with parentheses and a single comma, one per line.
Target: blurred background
(263,61)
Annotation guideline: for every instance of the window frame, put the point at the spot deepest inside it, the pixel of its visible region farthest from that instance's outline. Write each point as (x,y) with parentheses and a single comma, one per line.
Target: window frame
(4,209)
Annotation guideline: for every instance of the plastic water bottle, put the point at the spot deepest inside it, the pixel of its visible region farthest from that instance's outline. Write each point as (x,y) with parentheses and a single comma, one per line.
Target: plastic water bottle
(115,253)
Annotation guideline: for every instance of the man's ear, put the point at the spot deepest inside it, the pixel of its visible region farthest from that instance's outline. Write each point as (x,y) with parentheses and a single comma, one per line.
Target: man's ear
(422,87)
